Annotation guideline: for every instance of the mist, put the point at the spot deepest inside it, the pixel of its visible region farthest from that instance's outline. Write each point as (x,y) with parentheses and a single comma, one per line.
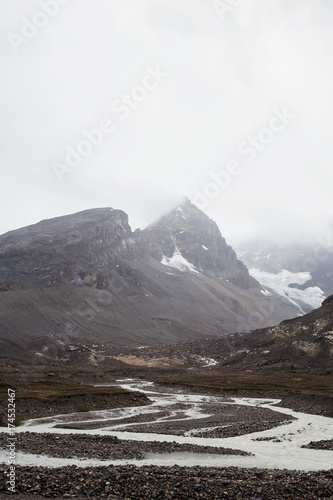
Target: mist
(134,105)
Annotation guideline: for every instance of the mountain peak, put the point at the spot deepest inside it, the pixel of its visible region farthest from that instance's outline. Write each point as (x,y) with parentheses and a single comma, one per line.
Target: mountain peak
(188,234)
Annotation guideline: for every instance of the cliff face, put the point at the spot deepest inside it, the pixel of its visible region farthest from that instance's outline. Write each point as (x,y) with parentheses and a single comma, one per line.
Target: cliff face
(80,250)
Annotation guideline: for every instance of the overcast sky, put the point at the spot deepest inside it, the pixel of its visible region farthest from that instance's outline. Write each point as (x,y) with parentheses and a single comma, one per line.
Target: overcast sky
(228,105)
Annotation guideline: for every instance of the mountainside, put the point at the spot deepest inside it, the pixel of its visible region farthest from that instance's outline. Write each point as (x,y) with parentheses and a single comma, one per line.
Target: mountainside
(301,343)
(87,278)
(301,273)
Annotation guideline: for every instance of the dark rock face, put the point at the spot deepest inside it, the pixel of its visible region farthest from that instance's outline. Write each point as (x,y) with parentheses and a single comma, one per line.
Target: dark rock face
(192,234)
(79,249)
(94,248)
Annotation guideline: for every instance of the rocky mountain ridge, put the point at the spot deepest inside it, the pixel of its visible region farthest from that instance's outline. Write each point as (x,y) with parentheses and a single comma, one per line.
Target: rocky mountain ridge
(76,250)
(87,278)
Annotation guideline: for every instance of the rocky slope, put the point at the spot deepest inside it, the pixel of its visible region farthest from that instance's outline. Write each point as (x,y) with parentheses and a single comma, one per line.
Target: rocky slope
(87,278)
(304,342)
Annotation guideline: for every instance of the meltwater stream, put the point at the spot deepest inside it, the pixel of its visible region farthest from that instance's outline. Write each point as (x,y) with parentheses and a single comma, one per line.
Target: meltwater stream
(283,451)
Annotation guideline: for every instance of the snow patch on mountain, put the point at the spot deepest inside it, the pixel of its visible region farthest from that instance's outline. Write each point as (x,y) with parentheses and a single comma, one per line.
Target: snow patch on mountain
(280,283)
(177,261)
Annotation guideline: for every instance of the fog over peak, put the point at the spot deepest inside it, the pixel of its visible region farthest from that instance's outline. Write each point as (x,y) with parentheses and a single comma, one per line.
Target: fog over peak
(136,104)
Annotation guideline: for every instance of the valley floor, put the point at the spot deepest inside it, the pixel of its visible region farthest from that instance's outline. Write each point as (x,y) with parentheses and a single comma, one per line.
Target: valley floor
(185,444)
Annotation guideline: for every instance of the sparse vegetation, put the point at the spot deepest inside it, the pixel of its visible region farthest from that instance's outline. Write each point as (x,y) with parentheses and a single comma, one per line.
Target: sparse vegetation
(269,379)
(40,396)
(83,409)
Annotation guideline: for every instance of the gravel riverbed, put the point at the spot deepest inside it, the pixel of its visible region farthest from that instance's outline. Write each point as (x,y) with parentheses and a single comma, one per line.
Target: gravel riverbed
(320,445)
(170,483)
(235,421)
(102,447)
(175,413)
(219,421)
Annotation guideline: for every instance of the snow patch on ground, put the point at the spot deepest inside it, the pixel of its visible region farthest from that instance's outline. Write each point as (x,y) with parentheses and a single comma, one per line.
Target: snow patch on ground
(177,261)
(209,361)
(312,296)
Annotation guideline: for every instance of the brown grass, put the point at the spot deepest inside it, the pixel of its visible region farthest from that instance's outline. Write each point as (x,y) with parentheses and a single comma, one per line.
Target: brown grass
(28,386)
(265,380)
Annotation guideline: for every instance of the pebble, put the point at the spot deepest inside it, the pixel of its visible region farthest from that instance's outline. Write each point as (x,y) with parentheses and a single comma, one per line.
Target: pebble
(175,483)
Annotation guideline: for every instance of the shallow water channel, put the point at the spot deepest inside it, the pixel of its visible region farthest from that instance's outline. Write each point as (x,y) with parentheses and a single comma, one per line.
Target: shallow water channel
(171,406)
